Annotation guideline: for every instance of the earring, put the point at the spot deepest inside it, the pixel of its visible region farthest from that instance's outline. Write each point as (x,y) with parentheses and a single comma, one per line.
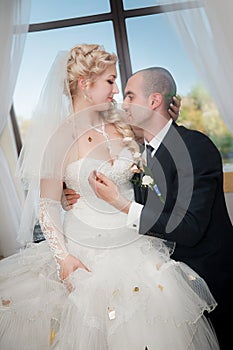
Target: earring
(86,97)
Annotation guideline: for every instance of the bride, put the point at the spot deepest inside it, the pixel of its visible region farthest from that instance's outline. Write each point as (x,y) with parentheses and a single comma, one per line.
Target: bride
(93,284)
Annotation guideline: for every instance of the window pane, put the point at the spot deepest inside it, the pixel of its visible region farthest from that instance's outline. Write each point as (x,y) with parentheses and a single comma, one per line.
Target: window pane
(52,10)
(158,45)
(133,4)
(40,51)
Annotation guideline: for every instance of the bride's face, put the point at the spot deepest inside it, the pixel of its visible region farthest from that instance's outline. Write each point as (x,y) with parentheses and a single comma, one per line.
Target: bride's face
(104,88)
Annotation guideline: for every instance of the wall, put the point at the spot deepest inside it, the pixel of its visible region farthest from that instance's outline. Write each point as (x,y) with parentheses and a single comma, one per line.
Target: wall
(228,189)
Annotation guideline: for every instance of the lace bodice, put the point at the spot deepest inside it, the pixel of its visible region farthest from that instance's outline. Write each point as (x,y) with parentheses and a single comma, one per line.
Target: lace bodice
(76,174)
(91,221)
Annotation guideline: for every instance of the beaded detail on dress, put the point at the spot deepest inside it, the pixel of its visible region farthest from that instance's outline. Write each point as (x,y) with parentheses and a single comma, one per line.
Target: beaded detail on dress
(50,221)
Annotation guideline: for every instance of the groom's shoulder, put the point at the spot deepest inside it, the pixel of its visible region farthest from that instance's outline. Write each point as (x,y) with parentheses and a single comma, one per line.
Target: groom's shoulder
(196,139)
(193,134)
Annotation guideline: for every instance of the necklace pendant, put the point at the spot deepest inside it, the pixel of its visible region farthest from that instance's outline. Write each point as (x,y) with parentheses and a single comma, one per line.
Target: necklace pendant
(89,139)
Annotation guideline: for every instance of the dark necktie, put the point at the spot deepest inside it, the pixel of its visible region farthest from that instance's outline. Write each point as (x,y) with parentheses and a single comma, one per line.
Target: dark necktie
(149,150)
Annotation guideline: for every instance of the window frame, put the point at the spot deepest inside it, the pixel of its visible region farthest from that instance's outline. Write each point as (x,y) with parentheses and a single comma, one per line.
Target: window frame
(118,17)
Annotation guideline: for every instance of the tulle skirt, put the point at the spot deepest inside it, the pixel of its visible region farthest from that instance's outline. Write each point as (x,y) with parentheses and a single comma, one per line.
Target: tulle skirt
(135,297)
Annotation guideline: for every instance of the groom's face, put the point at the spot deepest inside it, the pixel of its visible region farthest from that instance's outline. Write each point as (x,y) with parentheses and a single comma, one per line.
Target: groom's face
(135,103)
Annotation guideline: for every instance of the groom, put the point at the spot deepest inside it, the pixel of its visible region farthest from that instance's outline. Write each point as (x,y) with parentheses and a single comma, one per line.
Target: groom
(185,203)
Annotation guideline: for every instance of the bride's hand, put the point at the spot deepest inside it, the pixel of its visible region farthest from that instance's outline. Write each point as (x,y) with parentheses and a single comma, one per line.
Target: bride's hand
(107,190)
(175,107)
(69,265)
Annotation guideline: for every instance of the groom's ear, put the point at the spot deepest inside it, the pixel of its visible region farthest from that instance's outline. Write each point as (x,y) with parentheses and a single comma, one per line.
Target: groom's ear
(155,100)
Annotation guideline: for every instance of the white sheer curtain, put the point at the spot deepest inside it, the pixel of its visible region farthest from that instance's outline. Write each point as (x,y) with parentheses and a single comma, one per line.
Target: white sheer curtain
(206,32)
(14,21)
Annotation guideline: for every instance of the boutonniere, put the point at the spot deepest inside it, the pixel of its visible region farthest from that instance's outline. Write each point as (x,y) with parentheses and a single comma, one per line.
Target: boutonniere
(146,179)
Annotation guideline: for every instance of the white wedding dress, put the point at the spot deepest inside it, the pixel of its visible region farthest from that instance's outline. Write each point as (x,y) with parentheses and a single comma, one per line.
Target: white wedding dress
(134,298)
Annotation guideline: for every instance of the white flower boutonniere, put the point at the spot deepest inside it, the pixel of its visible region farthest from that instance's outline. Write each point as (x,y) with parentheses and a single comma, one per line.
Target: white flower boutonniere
(146,179)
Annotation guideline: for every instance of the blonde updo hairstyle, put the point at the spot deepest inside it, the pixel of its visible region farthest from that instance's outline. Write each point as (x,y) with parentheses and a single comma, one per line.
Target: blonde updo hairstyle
(90,61)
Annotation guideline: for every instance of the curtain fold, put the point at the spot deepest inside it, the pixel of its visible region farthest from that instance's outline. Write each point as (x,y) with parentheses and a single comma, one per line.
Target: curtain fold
(206,32)
(14,22)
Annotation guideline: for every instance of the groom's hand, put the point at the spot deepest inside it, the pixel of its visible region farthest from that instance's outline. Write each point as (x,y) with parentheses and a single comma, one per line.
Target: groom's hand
(107,190)
(69,197)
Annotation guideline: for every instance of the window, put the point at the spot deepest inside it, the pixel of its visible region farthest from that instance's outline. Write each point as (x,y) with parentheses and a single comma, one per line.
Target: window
(133,4)
(40,51)
(118,26)
(53,10)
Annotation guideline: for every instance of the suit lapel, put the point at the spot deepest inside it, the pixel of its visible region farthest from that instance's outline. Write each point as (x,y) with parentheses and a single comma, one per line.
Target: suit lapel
(140,193)
(158,163)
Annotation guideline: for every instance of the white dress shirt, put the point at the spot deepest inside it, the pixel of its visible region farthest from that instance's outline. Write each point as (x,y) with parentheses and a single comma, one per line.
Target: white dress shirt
(134,214)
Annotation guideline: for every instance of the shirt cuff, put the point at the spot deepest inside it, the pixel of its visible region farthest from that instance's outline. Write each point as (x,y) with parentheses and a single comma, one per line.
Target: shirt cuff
(134,214)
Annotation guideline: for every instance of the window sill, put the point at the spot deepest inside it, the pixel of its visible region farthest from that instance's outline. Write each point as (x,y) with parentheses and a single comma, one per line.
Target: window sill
(228,181)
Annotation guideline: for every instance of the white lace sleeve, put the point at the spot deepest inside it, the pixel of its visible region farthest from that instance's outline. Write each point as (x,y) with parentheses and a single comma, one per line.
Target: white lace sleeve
(51,225)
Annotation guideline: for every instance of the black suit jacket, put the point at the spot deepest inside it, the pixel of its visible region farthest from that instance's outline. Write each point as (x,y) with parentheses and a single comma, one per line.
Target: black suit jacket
(187,168)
